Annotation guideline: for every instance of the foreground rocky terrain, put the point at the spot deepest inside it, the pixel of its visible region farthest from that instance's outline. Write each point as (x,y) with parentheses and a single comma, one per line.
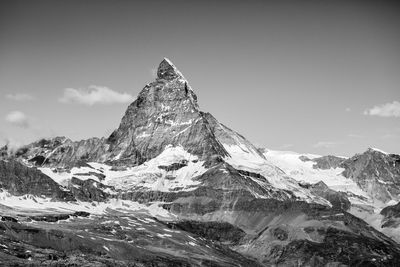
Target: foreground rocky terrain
(174,187)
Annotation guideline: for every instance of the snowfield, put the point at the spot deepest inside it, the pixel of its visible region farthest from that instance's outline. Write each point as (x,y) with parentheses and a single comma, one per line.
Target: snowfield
(33,204)
(147,176)
(303,171)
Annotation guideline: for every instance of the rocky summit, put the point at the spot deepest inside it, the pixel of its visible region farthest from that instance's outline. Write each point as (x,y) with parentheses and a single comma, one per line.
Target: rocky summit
(172,186)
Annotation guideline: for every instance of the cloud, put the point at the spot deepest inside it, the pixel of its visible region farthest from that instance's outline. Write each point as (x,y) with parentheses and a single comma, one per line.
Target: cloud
(17,118)
(355,135)
(94,95)
(12,144)
(385,110)
(325,144)
(20,97)
(348,109)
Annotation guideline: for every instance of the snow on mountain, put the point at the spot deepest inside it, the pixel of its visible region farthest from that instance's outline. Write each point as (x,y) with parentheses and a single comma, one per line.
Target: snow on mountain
(170,160)
(304,171)
(379,150)
(38,205)
(159,173)
(174,168)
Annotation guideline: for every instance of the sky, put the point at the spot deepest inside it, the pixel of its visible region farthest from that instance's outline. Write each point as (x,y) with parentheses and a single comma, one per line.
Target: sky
(318,77)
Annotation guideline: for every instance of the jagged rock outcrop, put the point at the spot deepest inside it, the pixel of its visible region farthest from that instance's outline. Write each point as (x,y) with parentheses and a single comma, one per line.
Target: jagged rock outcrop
(19,180)
(376,173)
(58,217)
(391,216)
(338,200)
(165,113)
(90,190)
(325,162)
(62,152)
(218,231)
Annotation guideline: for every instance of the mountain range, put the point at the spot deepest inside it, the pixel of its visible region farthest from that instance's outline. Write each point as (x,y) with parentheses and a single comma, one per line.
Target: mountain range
(172,186)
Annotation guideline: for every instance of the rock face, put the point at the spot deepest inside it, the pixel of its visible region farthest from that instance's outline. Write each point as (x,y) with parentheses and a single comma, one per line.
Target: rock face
(376,173)
(90,190)
(391,216)
(27,245)
(325,162)
(61,152)
(223,202)
(338,200)
(165,113)
(19,180)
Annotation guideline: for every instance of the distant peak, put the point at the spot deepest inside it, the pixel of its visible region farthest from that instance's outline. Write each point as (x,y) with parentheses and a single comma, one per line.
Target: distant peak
(372,149)
(167,70)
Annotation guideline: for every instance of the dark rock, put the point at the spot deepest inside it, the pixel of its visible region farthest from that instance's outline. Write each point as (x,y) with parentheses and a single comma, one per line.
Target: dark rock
(217,231)
(376,173)
(341,247)
(38,160)
(327,162)
(89,190)
(18,180)
(58,217)
(4,152)
(50,217)
(8,219)
(96,174)
(280,233)
(174,166)
(338,200)
(391,216)
(81,214)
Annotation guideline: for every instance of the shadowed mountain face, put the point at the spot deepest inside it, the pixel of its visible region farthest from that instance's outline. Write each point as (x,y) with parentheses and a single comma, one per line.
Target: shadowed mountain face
(174,187)
(20,180)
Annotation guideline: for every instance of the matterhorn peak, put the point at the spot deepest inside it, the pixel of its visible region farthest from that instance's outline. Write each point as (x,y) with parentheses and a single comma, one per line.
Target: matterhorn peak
(167,70)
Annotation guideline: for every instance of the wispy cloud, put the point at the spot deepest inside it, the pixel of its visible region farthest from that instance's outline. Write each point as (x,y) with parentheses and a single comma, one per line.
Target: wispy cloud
(348,109)
(17,118)
(385,110)
(94,95)
(355,135)
(20,97)
(325,144)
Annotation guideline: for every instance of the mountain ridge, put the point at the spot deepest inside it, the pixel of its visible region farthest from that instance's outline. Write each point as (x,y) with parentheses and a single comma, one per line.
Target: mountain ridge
(171,175)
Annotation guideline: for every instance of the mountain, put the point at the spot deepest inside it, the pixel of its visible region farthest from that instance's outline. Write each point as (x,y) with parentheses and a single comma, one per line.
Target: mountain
(172,186)
(369,180)
(20,180)
(375,172)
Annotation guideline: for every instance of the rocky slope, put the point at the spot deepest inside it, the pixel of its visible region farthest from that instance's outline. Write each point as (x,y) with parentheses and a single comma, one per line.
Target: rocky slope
(370,180)
(375,172)
(20,180)
(174,187)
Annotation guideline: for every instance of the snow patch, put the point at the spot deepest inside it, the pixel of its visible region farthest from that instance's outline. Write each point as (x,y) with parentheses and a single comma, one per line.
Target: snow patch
(300,170)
